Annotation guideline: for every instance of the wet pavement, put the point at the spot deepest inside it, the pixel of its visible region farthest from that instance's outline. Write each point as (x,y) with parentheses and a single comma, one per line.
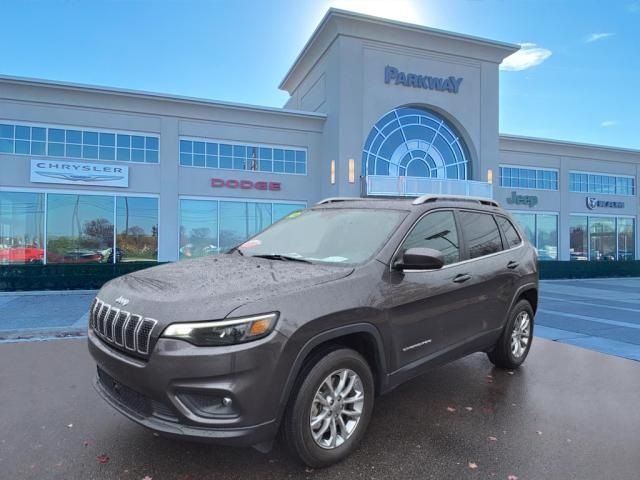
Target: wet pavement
(568,413)
(598,314)
(35,315)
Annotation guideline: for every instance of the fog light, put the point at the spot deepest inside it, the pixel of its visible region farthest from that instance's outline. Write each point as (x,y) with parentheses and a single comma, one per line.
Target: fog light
(209,406)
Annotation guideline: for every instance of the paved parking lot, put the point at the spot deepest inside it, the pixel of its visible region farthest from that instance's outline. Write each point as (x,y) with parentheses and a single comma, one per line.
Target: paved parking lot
(568,413)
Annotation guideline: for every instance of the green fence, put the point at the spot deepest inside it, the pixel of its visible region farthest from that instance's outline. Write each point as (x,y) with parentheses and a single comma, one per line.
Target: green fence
(93,276)
(63,277)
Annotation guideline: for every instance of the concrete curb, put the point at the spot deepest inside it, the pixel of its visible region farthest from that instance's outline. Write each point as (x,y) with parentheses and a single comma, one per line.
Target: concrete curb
(48,292)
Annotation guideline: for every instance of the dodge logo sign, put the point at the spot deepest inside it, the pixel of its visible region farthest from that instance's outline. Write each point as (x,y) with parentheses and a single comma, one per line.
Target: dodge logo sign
(245,184)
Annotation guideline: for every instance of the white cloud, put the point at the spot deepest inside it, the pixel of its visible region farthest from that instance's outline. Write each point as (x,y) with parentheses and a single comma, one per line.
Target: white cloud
(528,56)
(594,37)
(608,123)
(634,7)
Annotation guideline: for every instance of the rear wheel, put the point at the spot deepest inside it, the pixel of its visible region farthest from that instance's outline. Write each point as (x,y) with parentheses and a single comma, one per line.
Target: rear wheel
(328,415)
(512,348)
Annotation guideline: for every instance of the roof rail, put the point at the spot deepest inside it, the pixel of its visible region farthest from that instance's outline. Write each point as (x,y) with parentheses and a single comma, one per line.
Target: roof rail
(454,198)
(339,199)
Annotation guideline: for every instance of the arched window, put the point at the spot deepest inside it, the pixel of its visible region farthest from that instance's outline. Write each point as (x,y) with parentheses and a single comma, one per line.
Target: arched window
(415,142)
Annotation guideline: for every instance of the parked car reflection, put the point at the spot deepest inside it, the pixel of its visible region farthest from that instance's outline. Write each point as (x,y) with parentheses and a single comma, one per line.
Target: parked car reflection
(22,254)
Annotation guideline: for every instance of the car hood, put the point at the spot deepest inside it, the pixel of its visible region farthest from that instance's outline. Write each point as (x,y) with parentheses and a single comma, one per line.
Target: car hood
(212,287)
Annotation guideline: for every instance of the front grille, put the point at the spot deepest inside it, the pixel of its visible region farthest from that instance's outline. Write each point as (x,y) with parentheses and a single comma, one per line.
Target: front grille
(124,330)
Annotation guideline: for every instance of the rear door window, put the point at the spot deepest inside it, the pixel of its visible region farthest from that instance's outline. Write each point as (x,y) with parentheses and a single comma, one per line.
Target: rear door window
(510,232)
(480,233)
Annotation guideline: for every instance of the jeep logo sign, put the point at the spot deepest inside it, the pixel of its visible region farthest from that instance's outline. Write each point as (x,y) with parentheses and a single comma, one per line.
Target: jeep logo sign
(245,184)
(528,200)
(449,84)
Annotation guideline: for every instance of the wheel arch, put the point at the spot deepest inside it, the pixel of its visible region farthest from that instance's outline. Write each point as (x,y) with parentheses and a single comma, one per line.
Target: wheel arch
(530,294)
(364,338)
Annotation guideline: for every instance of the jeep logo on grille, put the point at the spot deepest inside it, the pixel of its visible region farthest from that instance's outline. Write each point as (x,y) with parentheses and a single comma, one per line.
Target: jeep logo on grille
(122,301)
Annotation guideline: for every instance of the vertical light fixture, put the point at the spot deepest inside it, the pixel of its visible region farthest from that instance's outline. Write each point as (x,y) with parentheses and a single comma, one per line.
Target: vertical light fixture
(490,176)
(352,170)
(333,172)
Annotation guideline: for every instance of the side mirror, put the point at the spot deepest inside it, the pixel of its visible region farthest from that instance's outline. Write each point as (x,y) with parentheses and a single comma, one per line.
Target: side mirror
(420,259)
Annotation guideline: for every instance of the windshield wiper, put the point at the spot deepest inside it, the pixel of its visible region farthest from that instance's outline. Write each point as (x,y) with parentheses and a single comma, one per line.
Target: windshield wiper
(278,256)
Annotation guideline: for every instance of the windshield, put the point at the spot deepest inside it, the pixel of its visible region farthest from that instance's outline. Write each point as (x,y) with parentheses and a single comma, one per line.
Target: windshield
(346,236)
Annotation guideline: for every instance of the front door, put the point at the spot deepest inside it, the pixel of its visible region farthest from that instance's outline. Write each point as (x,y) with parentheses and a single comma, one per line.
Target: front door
(423,305)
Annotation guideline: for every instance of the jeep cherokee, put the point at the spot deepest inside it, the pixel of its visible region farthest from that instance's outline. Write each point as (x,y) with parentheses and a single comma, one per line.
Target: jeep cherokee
(299,328)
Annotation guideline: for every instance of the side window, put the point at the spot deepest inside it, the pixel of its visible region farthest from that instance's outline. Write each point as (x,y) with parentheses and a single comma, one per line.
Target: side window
(437,230)
(510,232)
(481,234)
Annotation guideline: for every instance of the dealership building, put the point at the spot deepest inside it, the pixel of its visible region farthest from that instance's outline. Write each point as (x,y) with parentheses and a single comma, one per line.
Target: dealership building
(377,108)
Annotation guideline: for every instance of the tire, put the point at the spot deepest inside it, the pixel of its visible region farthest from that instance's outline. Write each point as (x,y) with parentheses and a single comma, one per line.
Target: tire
(508,352)
(298,431)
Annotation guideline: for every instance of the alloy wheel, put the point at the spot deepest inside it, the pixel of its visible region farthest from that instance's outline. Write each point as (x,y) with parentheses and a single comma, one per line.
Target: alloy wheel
(336,408)
(520,335)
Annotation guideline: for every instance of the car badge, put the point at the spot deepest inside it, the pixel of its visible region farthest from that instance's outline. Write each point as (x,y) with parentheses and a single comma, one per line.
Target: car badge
(122,301)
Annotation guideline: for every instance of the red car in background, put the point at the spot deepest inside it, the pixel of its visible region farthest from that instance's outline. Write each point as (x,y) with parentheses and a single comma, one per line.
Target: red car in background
(25,254)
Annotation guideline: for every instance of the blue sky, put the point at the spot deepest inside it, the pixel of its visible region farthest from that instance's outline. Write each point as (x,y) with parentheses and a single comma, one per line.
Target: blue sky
(580,76)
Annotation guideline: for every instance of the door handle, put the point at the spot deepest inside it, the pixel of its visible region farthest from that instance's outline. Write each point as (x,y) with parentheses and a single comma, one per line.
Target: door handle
(512,264)
(462,277)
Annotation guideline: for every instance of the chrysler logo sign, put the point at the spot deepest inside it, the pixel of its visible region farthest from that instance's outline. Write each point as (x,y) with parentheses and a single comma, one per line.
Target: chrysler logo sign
(449,84)
(75,173)
(593,202)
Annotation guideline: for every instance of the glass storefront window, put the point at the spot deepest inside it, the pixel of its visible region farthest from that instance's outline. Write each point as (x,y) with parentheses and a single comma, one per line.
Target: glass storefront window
(578,238)
(214,226)
(241,220)
(527,222)
(136,230)
(281,210)
(601,238)
(21,227)
(541,230)
(626,239)
(195,153)
(79,228)
(547,236)
(198,228)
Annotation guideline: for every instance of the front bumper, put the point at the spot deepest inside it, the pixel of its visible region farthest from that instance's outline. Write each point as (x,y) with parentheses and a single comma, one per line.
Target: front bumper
(178,390)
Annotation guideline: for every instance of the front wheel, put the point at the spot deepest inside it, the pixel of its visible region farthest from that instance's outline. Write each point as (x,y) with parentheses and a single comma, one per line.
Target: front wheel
(330,410)
(513,346)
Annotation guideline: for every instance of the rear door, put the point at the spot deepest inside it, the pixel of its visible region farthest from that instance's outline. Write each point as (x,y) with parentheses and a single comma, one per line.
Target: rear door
(490,284)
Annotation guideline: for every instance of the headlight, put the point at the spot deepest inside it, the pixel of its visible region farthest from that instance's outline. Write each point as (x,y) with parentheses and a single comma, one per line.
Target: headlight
(223,332)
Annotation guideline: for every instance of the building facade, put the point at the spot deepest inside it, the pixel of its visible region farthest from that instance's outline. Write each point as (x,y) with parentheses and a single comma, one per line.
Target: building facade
(376,108)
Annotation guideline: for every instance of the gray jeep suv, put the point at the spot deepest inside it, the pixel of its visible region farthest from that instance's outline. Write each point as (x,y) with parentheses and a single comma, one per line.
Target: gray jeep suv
(299,328)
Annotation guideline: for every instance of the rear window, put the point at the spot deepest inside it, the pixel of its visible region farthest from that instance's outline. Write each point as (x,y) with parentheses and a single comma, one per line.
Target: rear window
(510,232)
(481,234)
